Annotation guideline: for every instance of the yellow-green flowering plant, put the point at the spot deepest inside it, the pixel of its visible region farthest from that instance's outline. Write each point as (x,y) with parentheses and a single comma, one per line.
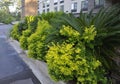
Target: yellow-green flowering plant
(36,42)
(23,39)
(89,34)
(69,60)
(106,42)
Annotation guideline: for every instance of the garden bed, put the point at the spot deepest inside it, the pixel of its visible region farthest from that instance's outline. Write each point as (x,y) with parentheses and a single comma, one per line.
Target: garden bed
(82,49)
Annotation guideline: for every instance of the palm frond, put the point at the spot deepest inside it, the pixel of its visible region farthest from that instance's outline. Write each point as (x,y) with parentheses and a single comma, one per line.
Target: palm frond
(72,21)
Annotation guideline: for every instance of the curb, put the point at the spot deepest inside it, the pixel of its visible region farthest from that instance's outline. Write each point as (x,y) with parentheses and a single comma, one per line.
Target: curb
(1,23)
(38,68)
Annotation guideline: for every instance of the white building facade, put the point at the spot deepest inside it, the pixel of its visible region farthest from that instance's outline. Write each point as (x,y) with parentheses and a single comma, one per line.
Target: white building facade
(67,6)
(72,6)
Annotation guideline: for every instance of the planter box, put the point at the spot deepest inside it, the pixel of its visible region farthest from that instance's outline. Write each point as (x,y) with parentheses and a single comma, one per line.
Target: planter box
(39,68)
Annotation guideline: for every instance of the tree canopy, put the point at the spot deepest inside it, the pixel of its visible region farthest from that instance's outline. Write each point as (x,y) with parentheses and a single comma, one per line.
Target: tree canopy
(7,15)
(4,5)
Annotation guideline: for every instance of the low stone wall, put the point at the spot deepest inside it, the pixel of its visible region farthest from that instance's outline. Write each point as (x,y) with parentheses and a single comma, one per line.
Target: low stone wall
(39,68)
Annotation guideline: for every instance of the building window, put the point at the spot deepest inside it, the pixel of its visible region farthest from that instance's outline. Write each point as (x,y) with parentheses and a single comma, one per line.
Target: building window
(61,1)
(48,3)
(62,8)
(43,5)
(48,10)
(84,5)
(55,9)
(44,11)
(38,12)
(38,7)
(55,2)
(74,7)
(99,3)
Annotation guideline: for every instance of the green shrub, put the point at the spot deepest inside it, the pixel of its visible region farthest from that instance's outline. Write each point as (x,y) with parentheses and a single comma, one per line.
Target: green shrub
(70,60)
(106,22)
(37,47)
(23,39)
(32,22)
(32,25)
(8,20)
(32,47)
(17,29)
(32,51)
(6,17)
(66,62)
(22,26)
(84,49)
(50,16)
(15,33)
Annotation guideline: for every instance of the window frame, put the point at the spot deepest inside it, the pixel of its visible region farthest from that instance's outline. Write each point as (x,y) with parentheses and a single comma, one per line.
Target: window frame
(55,9)
(61,1)
(48,10)
(43,11)
(62,8)
(85,4)
(55,2)
(43,4)
(48,3)
(74,7)
(99,4)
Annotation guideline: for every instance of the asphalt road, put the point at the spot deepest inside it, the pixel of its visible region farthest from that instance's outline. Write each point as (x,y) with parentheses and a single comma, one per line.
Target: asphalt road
(12,69)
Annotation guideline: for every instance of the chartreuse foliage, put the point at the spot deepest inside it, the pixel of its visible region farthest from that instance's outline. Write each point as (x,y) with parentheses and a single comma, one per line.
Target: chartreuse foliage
(89,34)
(107,40)
(37,47)
(70,59)
(81,49)
(50,16)
(17,29)
(23,39)
(14,32)
(32,25)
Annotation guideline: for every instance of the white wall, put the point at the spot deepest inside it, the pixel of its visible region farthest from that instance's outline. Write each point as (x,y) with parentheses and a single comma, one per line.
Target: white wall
(67,5)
